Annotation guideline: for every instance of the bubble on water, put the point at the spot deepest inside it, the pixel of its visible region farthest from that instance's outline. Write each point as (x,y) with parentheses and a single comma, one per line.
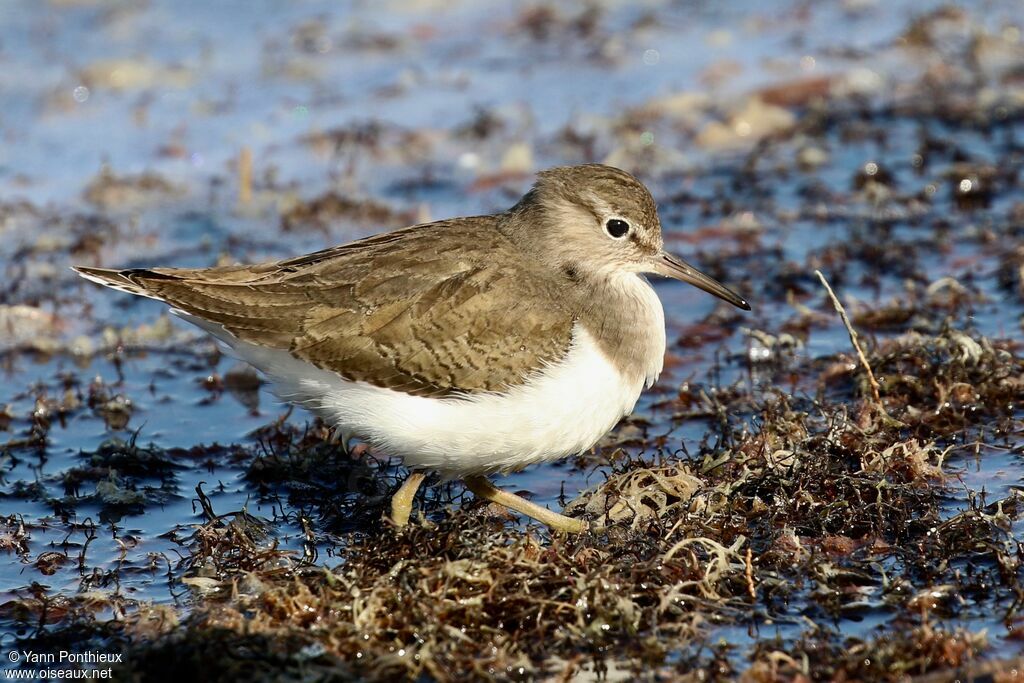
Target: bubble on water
(80,94)
(651,57)
(759,353)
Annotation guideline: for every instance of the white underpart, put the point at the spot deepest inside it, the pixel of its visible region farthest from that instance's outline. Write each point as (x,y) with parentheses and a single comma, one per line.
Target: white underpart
(562,409)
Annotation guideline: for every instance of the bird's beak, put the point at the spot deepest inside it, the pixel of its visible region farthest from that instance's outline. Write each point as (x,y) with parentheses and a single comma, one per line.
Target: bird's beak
(671,266)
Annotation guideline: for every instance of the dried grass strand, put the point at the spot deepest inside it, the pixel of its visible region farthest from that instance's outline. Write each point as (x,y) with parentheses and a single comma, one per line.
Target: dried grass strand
(875,396)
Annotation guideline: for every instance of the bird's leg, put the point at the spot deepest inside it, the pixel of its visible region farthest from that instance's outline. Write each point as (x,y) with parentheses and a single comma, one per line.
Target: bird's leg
(401,502)
(482,488)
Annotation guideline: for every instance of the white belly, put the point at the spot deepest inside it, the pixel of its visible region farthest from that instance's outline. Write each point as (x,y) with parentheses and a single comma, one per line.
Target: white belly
(562,410)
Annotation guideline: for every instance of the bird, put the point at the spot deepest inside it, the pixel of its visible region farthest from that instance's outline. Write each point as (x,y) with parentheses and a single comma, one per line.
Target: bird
(466,347)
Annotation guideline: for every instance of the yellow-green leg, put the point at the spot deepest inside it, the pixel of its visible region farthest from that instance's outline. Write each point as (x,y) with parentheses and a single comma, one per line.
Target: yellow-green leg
(401,502)
(482,488)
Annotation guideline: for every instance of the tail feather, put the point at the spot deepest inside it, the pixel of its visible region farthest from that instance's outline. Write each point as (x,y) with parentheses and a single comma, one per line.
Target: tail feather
(129,280)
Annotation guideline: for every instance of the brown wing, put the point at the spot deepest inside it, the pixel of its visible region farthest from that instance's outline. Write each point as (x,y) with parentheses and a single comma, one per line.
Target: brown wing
(432,310)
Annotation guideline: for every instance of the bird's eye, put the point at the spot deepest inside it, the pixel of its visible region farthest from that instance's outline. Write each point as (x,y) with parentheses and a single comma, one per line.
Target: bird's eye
(617,228)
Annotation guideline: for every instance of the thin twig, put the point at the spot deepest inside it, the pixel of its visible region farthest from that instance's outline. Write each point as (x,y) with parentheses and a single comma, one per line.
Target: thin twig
(853,339)
(750,575)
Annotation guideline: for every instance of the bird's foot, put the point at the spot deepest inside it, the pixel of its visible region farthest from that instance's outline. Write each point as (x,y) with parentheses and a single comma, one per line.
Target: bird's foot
(488,491)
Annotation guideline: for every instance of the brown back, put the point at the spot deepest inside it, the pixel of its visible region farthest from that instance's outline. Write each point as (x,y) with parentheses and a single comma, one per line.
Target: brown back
(434,310)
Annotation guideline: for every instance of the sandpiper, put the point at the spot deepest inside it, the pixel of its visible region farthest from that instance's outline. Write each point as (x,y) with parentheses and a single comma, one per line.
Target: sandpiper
(469,346)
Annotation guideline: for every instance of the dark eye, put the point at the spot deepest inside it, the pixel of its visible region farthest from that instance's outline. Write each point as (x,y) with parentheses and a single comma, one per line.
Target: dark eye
(617,227)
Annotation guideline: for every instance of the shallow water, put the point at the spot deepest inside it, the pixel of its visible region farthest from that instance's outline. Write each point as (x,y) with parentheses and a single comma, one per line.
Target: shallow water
(419,70)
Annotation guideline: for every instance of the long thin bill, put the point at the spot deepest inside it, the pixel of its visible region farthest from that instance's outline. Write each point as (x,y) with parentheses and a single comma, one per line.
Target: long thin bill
(671,266)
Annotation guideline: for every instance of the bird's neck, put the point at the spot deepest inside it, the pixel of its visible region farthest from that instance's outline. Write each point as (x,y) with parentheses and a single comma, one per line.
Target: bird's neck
(618,308)
(550,231)
(625,317)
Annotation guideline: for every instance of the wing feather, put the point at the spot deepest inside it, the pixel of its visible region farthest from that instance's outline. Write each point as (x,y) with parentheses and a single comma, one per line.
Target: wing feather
(398,310)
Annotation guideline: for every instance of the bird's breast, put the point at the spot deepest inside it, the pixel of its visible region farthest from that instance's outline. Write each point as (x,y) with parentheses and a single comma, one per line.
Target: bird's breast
(628,324)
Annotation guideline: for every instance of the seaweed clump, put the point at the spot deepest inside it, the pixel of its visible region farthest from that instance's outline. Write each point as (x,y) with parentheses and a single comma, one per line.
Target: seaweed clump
(818,514)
